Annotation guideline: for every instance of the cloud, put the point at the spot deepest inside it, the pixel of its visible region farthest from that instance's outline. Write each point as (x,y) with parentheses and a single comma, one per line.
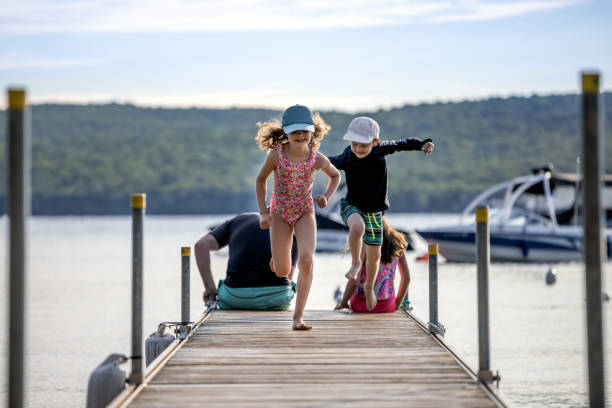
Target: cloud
(9,62)
(273,98)
(495,11)
(47,16)
(280,97)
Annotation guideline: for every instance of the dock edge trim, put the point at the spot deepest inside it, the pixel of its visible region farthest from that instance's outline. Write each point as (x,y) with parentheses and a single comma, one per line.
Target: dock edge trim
(131,391)
(496,398)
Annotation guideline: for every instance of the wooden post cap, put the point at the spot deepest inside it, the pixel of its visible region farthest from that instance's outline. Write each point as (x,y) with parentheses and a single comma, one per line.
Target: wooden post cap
(139,200)
(16,99)
(482,214)
(590,82)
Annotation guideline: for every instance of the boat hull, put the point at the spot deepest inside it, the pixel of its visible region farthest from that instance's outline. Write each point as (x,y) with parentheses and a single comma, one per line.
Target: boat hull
(458,245)
(330,240)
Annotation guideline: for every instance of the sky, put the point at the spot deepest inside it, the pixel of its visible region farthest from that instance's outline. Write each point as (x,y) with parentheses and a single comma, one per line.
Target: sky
(349,55)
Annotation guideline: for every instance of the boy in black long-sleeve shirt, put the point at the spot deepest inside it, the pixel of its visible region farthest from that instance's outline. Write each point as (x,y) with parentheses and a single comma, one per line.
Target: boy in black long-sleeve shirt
(365,169)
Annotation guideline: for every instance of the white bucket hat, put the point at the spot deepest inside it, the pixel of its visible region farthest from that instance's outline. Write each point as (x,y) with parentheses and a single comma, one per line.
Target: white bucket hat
(362,130)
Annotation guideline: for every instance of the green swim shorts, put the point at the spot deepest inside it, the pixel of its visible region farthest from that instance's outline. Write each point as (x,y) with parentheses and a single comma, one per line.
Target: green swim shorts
(256,298)
(373,234)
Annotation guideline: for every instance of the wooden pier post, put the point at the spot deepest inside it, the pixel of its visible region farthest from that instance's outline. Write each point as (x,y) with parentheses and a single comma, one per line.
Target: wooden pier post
(185,288)
(433,324)
(593,245)
(138,208)
(19,200)
(483,259)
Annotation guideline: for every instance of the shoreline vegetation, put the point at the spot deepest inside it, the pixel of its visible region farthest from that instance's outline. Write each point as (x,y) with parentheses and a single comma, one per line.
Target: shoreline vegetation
(89,159)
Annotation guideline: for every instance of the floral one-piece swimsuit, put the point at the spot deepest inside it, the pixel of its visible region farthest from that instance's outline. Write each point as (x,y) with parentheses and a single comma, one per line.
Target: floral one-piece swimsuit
(292,194)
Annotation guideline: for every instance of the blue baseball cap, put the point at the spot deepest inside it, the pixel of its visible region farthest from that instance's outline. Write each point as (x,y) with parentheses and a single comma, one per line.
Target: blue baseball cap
(297,117)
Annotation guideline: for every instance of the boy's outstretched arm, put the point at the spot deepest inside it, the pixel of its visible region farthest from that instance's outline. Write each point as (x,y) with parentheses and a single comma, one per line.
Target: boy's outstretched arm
(260,188)
(324,164)
(340,161)
(411,143)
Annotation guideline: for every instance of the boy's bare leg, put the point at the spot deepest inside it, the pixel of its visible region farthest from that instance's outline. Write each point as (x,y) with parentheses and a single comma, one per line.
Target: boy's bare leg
(356,230)
(372,263)
(306,236)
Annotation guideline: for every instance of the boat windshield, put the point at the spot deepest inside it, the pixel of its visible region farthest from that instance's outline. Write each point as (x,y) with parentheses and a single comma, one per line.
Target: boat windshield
(519,217)
(563,198)
(555,198)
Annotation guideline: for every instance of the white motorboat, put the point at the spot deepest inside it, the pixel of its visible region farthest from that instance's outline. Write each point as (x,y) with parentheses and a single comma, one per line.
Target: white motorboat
(524,222)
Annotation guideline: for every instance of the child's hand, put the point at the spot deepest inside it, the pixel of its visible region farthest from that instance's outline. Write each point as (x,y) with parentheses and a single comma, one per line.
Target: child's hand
(264,221)
(427,148)
(321,201)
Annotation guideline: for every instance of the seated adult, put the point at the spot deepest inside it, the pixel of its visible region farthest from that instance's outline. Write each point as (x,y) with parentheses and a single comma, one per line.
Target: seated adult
(249,282)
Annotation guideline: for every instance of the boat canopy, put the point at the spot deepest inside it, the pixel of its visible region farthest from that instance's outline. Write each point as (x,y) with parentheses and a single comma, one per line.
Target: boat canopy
(555,197)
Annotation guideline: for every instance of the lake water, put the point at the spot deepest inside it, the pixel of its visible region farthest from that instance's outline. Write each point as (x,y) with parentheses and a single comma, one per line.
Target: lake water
(79,288)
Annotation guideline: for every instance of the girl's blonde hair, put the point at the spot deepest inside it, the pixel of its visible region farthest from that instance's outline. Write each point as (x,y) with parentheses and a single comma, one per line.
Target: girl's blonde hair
(271,134)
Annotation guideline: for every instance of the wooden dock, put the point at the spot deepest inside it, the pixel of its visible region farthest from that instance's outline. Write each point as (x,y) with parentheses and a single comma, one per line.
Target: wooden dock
(254,359)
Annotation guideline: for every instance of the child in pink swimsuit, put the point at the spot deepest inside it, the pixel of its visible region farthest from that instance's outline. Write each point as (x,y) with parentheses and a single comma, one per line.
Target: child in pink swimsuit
(293,156)
(392,256)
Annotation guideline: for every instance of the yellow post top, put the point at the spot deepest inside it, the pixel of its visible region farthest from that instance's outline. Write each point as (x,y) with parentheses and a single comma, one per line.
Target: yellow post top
(482,214)
(433,249)
(185,251)
(16,99)
(139,200)
(590,82)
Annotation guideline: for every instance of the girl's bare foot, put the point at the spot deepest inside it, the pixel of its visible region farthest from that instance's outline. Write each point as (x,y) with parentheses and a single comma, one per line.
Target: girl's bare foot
(370,297)
(298,324)
(353,273)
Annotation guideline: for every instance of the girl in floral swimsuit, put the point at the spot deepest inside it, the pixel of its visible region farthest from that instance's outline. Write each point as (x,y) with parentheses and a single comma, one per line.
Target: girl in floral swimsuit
(392,256)
(293,156)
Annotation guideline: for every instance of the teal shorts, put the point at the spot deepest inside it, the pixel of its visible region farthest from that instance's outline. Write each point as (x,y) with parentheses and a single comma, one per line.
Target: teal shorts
(373,234)
(260,298)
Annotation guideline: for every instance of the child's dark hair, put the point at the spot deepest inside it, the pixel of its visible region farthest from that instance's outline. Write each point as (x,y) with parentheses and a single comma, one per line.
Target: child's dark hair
(271,134)
(394,243)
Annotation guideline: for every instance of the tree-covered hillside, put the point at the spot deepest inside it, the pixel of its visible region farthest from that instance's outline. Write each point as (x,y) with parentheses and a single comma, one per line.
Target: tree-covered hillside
(89,159)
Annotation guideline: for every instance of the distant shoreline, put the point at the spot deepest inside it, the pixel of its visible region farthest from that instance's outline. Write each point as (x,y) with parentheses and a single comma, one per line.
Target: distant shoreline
(89,159)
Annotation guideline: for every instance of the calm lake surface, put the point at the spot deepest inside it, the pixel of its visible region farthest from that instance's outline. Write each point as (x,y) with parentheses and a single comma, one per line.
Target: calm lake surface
(79,288)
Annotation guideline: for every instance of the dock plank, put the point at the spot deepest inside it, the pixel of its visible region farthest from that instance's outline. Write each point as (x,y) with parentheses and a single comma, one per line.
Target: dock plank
(254,359)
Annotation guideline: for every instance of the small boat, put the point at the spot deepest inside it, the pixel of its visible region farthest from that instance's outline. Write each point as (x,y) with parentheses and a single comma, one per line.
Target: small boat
(533,218)
(332,234)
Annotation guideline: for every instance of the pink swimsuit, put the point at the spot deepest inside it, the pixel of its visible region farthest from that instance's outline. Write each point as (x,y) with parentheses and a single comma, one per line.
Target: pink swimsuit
(292,195)
(383,287)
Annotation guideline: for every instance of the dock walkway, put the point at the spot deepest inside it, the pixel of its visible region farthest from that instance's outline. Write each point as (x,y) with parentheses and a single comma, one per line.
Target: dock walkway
(254,359)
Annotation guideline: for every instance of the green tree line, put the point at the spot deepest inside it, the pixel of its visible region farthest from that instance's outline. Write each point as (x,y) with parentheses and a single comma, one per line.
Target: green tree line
(88,159)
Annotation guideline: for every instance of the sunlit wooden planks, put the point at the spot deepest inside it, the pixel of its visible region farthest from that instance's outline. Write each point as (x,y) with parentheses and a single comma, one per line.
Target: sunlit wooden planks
(251,359)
